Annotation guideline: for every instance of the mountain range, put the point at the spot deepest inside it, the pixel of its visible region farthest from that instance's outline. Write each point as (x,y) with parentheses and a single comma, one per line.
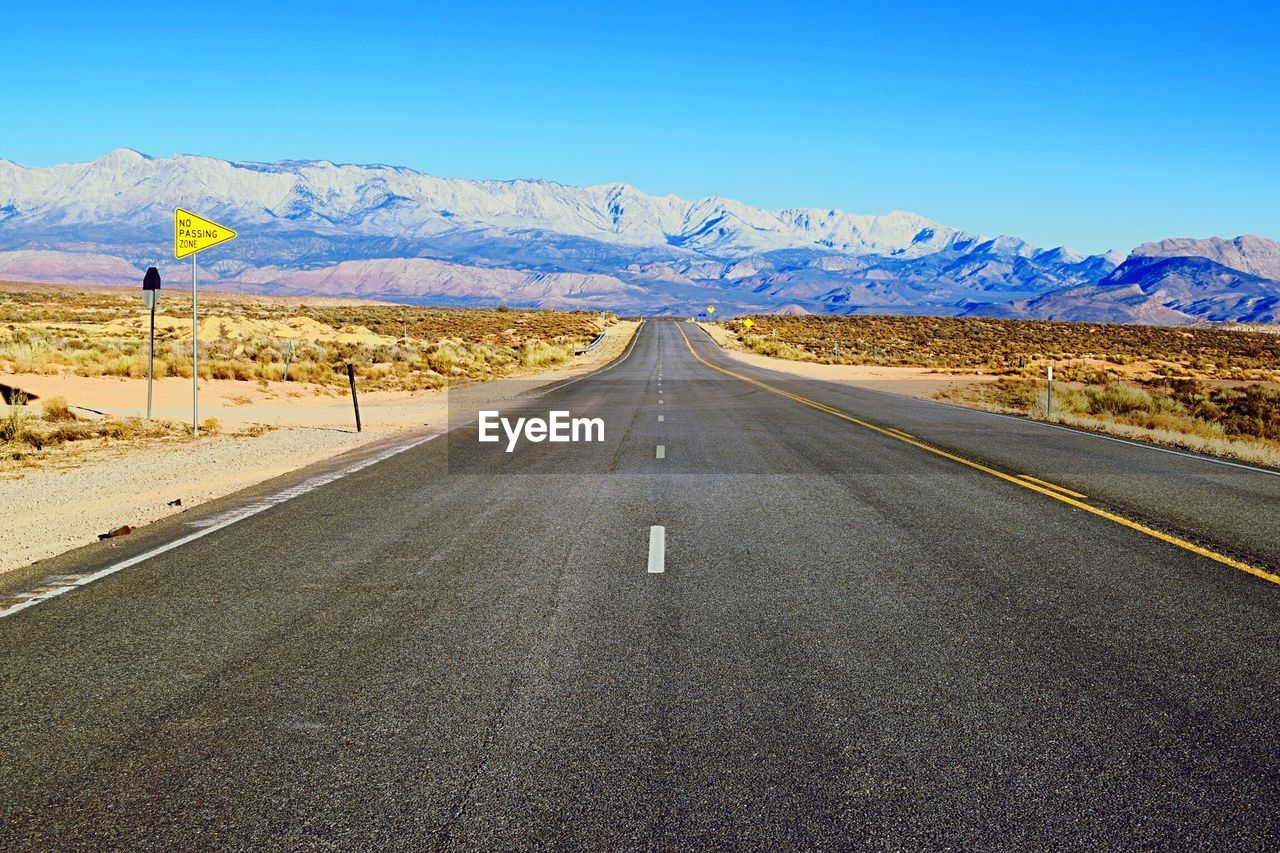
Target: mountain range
(314,227)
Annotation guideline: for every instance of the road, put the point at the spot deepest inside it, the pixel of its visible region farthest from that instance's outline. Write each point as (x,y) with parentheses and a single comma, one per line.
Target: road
(869,630)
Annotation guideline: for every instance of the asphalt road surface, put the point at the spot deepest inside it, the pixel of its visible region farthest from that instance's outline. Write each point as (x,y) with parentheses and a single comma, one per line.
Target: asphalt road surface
(859,625)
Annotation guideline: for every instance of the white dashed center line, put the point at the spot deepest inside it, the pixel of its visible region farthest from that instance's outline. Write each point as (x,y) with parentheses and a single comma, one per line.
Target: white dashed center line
(662,451)
(657,549)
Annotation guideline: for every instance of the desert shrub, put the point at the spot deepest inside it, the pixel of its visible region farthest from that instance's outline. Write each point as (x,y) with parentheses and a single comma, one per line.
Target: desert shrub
(540,353)
(1117,399)
(443,358)
(71,431)
(1020,394)
(777,349)
(319,372)
(13,428)
(1087,374)
(1002,346)
(1211,418)
(172,362)
(56,409)
(53,330)
(27,353)
(224,368)
(130,366)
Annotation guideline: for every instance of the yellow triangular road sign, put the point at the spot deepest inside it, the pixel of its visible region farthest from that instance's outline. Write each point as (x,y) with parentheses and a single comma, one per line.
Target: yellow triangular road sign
(193,233)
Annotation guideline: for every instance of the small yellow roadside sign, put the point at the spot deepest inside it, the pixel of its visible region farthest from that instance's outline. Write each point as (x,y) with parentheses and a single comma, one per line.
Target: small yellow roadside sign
(748,323)
(193,233)
(711,309)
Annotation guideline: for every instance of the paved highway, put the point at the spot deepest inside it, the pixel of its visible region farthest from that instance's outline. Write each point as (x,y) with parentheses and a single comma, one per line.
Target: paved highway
(819,617)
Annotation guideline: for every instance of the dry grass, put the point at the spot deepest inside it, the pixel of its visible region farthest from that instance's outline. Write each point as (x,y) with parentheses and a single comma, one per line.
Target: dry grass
(1206,389)
(57,410)
(1236,422)
(1081,351)
(28,438)
(102,332)
(58,330)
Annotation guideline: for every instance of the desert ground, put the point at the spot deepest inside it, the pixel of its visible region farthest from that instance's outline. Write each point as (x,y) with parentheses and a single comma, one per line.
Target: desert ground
(925,382)
(1213,390)
(78,458)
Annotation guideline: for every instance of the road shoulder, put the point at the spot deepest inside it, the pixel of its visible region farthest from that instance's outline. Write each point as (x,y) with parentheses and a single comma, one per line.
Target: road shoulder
(57,509)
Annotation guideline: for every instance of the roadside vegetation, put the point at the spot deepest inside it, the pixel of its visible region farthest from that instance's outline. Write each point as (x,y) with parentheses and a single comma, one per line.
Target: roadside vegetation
(99,332)
(33,431)
(291,346)
(1212,390)
(1017,347)
(1239,422)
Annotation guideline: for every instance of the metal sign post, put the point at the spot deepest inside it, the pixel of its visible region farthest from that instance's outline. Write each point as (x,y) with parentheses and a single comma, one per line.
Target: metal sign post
(195,354)
(193,234)
(1049,404)
(151,296)
(355,401)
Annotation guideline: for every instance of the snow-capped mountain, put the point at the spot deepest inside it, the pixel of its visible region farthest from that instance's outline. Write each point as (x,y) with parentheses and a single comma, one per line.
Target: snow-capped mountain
(354,228)
(126,187)
(1251,254)
(1168,283)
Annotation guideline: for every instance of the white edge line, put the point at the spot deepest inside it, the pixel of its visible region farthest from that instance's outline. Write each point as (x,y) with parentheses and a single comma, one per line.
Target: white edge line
(253,510)
(1092,434)
(657,549)
(1032,421)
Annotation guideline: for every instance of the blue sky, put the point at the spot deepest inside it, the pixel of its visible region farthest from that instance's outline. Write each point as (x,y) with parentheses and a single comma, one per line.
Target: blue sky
(1092,125)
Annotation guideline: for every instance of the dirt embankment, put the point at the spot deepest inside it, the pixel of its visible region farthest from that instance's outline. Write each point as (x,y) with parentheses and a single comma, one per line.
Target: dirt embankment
(924,382)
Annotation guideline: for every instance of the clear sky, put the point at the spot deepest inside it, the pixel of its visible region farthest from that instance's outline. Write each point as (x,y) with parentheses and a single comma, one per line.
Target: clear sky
(1095,125)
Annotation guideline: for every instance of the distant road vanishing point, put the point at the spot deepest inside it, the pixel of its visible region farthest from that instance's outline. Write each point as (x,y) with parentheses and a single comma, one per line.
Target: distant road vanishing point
(763,612)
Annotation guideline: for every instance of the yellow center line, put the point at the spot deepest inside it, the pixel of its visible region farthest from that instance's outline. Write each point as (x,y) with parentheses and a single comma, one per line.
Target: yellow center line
(1047,489)
(1062,489)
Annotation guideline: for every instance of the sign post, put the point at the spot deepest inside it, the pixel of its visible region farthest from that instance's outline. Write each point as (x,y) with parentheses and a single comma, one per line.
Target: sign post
(1049,402)
(150,296)
(193,234)
(355,401)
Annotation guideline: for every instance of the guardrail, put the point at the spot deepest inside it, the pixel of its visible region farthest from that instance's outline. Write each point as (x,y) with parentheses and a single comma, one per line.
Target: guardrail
(589,347)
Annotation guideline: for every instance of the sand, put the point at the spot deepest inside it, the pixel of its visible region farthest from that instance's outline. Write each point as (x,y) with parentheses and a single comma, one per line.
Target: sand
(924,382)
(50,509)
